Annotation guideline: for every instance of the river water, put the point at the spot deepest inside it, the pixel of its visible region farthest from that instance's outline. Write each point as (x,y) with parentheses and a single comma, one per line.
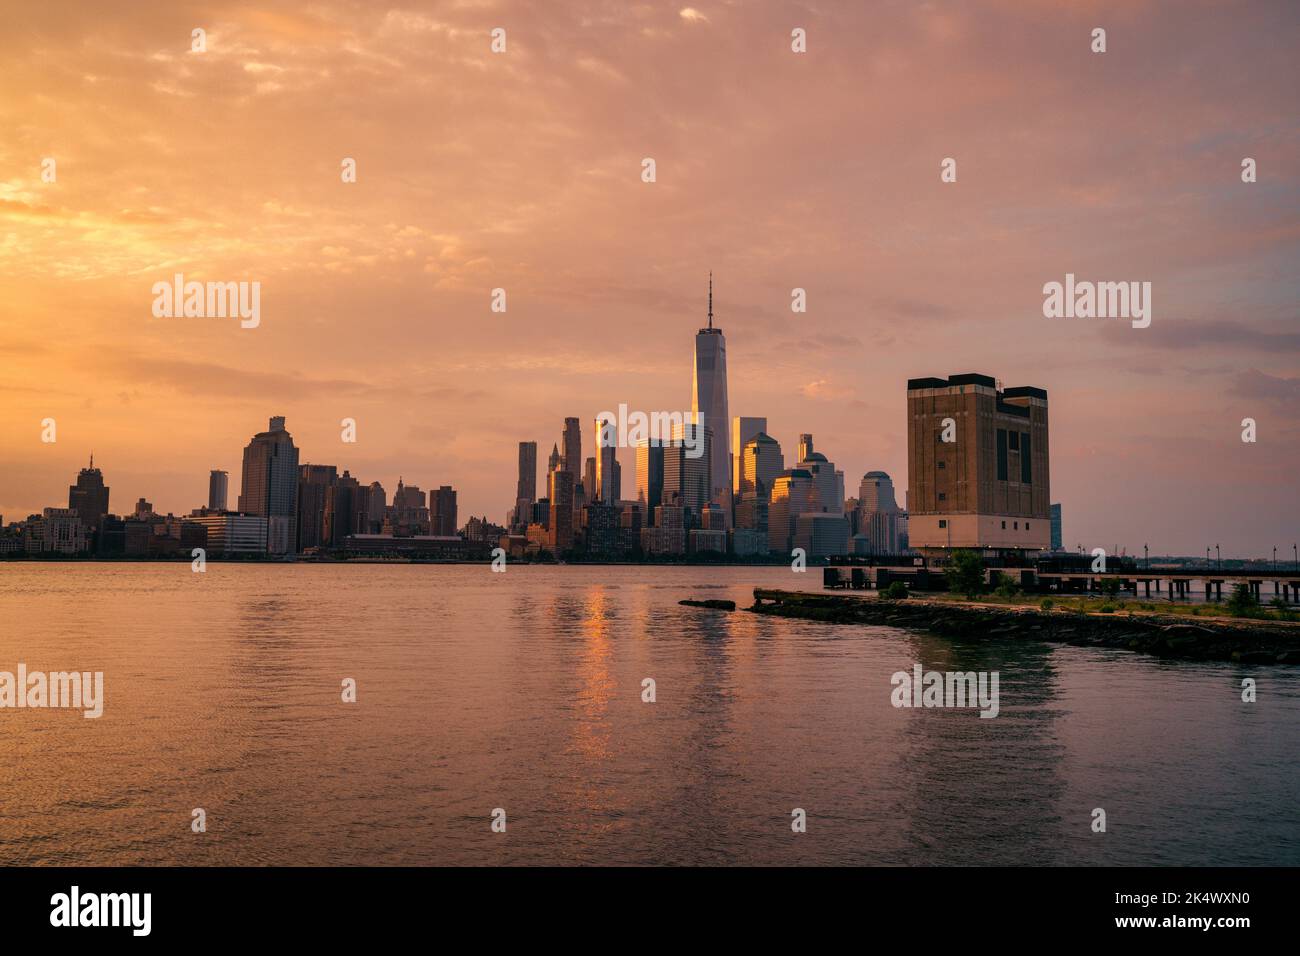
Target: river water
(523,691)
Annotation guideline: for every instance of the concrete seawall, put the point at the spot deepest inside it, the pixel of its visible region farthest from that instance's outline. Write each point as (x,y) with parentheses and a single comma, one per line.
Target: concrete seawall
(1205,639)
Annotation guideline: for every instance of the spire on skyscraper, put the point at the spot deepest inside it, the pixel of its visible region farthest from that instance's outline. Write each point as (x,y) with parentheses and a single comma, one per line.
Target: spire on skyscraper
(710,298)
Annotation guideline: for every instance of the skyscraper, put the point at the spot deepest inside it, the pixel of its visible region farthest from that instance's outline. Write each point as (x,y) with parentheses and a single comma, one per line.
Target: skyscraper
(1056,527)
(793,494)
(376,508)
(709,406)
(409,514)
(88,498)
(977,465)
(650,476)
(218,490)
(830,489)
(686,478)
(560,530)
(571,456)
(762,462)
(442,510)
(314,482)
(590,487)
(606,489)
(270,485)
(552,463)
(742,430)
(879,517)
(527,487)
(345,510)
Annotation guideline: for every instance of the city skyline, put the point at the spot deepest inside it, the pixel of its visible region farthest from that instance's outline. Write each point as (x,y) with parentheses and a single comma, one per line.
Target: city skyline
(258,467)
(376,295)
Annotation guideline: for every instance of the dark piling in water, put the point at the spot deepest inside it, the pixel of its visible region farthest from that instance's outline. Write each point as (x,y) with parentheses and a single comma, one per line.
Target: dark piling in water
(716,604)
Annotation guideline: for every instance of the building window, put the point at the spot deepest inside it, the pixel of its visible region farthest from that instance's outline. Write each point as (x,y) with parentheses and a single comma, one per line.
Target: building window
(1004,526)
(1013,441)
(1026,525)
(1025,461)
(943,496)
(1015,526)
(1002,454)
(943,523)
(942,465)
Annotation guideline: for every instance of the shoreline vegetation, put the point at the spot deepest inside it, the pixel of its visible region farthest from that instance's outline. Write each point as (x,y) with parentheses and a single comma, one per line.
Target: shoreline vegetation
(1163,633)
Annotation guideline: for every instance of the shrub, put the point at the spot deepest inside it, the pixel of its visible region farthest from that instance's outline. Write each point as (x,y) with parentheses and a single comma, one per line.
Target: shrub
(1110,587)
(896,591)
(1284,611)
(1107,608)
(1047,604)
(965,574)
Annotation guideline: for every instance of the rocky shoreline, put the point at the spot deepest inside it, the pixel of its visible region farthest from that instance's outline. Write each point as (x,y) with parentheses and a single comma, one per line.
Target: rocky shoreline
(1241,641)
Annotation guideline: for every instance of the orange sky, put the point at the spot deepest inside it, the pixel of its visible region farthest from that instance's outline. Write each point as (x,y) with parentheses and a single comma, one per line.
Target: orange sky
(775,170)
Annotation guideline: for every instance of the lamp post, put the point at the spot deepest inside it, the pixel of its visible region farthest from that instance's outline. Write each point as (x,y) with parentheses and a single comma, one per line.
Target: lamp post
(1146,556)
(1274,557)
(1218,560)
(1207,555)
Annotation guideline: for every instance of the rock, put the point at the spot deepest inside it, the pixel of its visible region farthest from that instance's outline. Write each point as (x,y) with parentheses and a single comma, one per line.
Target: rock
(1254,657)
(1189,630)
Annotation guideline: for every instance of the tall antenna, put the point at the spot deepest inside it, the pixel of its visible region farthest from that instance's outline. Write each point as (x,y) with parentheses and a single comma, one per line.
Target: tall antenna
(710,298)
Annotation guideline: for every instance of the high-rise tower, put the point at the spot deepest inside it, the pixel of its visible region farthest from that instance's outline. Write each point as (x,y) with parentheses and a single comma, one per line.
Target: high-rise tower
(709,405)
(607,489)
(270,485)
(218,485)
(571,456)
(527,486)
(89,496)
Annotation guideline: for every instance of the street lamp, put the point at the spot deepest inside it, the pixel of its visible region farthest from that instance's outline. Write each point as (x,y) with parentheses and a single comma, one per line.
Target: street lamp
(1146,557)
(1217,560)
(1274,557)
(1207,555)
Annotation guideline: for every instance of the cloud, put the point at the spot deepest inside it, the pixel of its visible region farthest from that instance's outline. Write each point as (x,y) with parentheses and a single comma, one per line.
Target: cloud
(1278,390)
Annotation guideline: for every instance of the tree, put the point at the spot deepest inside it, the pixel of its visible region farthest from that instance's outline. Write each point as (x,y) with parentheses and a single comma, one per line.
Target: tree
(1243,602)
(965,574)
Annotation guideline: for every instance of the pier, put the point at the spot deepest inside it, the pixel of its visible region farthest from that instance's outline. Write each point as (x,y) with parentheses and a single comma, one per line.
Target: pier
(1049,577)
